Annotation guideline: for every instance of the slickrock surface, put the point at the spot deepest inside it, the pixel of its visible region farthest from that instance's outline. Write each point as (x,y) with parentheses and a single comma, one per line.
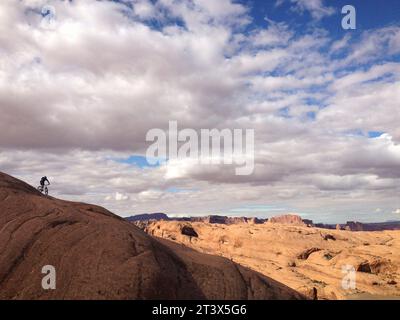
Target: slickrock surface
(98,255)
(307,259)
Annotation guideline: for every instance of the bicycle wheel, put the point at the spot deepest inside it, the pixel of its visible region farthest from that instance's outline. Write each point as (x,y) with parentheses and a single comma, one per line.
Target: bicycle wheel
(46,191)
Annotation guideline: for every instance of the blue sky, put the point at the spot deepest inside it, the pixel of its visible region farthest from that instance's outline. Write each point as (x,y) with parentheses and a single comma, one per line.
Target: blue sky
(371,14)
(139,161)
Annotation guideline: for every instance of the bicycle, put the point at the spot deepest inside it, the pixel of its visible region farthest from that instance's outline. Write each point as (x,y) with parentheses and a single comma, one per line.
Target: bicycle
(44,189)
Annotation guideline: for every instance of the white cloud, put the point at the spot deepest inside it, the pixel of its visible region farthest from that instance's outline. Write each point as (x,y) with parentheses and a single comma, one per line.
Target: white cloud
(276,34)
(373,43)
(76,97)
(316,8)
(121,197)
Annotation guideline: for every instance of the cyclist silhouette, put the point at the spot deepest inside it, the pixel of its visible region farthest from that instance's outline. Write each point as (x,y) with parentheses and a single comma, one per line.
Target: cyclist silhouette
(43,180)
(43,186)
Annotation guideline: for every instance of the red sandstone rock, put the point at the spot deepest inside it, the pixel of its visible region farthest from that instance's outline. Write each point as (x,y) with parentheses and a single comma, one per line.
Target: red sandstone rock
(98,255)
(288,219)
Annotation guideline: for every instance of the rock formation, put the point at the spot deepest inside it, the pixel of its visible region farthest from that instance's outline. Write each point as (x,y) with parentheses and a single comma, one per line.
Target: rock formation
(310,260)
(98,255)
(148,216)
(288,219)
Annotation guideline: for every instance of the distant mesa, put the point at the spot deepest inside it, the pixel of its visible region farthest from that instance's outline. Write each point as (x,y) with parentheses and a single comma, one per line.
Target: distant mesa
(360,226)
(224,219)
(218,219)
(206,219)
(290,219)
(148,216)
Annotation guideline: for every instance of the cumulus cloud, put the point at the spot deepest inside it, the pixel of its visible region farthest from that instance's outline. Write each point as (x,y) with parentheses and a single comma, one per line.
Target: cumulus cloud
(316,8)
(77,97)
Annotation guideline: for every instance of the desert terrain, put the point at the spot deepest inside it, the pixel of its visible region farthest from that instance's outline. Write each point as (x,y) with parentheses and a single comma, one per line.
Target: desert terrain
(99,255)
(305,258)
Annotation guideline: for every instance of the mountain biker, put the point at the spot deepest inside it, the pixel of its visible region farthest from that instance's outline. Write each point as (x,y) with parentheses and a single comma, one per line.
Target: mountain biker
(43,180)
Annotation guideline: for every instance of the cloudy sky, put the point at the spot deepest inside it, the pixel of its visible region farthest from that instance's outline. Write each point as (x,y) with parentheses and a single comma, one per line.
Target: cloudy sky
(82,84)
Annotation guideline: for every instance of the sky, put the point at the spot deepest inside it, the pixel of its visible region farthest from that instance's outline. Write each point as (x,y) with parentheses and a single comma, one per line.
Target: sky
(82,82)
